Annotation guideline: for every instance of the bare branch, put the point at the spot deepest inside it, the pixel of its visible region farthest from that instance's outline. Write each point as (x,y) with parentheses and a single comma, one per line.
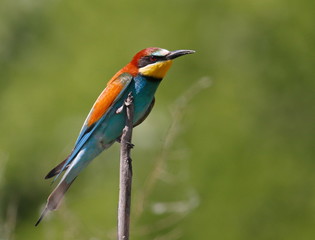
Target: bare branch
(125,180)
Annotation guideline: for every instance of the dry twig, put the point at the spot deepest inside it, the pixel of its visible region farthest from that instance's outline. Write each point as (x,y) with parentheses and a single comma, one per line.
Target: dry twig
(125,180)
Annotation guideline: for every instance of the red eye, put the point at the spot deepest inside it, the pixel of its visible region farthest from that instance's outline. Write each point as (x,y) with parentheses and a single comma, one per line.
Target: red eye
(153,59)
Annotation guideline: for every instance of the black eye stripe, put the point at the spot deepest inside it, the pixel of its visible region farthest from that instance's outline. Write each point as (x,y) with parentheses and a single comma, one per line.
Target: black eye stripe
(146,60)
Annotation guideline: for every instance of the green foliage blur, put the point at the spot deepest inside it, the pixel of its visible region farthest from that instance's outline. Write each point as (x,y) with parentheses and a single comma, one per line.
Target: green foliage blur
(242,162)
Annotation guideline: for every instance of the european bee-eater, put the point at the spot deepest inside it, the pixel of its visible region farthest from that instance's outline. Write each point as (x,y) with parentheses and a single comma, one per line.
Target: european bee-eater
(103,126)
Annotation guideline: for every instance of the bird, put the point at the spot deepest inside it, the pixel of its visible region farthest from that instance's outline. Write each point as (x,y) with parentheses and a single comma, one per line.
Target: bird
(103,125)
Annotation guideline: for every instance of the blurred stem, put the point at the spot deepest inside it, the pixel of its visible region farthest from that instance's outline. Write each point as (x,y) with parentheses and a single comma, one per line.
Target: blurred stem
(125,180)
(177,111)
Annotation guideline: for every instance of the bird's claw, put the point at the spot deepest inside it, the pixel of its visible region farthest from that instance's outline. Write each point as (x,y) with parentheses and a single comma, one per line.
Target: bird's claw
(120,109)
(127,103)
(131,145)
(128,100)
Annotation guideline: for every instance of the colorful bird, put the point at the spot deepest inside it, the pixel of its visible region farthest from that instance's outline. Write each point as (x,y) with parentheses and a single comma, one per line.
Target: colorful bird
(103,126)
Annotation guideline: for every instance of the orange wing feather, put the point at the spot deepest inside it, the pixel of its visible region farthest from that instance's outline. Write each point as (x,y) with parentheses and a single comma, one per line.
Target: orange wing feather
(104,101)
(107,97)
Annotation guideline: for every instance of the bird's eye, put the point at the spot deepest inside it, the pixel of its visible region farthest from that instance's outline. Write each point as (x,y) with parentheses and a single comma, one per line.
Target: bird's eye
(153,59)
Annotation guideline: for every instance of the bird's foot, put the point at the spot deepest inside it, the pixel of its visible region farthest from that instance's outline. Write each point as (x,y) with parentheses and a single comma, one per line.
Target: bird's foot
(131,145)
(120,109)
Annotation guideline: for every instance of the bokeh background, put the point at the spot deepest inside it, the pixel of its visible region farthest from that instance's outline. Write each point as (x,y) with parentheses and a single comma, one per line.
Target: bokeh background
(228,151)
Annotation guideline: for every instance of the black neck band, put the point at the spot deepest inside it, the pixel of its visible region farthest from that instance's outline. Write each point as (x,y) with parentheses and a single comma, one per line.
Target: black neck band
(152,79)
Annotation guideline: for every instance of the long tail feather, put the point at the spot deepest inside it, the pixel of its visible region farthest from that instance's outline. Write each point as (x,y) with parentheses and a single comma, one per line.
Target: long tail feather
(60,167)
(56,170)
(44,213)
(55,198)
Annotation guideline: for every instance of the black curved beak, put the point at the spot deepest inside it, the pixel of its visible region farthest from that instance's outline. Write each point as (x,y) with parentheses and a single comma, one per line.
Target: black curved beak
(178,53)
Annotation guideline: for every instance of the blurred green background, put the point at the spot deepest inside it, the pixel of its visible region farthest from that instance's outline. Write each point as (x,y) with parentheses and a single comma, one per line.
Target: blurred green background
(236,161)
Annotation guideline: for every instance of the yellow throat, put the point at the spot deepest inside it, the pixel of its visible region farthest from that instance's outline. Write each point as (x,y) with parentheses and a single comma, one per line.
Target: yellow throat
(156,70)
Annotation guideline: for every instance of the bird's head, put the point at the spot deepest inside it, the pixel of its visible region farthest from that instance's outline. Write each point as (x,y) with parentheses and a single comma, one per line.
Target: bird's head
(155,62)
